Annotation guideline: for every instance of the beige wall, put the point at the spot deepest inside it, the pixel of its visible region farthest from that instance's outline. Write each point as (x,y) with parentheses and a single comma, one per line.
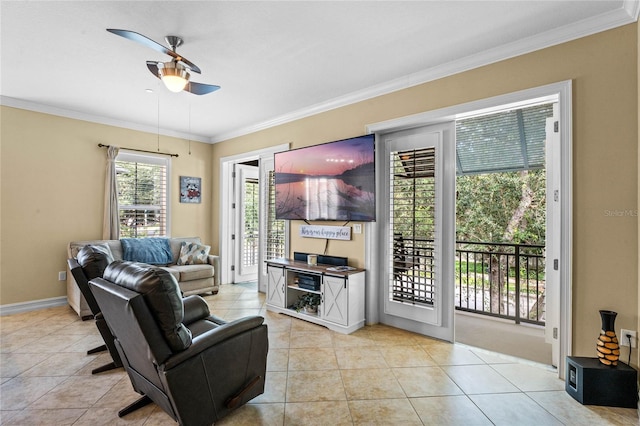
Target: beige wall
(52,173)
(603,69)
(52,185)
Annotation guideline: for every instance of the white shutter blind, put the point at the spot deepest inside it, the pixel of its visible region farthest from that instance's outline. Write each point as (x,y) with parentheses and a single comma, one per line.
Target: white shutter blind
(275,228)
(413,226)
(250,232)
(142,195)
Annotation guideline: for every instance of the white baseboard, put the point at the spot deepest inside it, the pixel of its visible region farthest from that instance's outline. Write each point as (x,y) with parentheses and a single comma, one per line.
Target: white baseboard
(16,308)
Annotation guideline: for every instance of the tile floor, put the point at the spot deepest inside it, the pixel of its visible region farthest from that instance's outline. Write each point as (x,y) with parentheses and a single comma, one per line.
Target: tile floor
(376,376)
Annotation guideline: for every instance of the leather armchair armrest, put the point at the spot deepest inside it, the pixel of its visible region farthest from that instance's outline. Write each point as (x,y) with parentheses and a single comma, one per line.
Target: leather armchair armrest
(214,261)
(213,337)
(216,320)
(195,308)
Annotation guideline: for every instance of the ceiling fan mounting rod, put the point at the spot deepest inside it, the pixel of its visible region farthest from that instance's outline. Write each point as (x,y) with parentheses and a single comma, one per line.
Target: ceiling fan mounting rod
(173,41)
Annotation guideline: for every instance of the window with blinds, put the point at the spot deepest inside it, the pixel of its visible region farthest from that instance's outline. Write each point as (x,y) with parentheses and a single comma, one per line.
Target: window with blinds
(506,141)
(412,226)
(251,206)
(142,195)
(275,240)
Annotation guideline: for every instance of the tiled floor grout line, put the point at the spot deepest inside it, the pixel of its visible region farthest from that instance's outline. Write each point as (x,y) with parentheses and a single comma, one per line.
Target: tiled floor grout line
(543,408)
(388,342)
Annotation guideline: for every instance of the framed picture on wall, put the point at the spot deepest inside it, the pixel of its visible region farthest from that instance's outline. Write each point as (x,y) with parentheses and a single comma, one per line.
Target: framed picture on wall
(190,189)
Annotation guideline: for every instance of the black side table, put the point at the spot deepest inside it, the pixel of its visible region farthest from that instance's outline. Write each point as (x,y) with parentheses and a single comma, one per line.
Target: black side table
(590,382)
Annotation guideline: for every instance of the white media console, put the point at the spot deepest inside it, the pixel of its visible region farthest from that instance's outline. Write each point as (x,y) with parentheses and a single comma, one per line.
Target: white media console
(341,293)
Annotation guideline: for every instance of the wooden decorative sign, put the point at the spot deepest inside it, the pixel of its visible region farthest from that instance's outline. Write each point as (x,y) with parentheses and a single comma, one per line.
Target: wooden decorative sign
(326,232)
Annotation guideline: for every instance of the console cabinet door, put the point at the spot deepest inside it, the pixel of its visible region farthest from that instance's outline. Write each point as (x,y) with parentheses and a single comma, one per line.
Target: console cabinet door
(335,300)
(276,286)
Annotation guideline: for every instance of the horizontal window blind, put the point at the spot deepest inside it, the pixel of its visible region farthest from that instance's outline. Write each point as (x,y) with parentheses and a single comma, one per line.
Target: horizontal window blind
(250,233)
(502,142)
(412,227)
(275,240)
(142,195)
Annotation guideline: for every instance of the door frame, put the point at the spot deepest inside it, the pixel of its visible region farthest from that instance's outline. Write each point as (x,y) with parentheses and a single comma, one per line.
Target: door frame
(563,91)
(226,200)
(243,171)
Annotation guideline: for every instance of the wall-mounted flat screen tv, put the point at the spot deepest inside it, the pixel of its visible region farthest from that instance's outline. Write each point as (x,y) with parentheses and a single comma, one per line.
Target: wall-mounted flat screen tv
(331,181)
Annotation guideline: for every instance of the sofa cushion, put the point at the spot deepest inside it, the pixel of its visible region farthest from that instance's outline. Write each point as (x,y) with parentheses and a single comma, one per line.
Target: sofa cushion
(162,294)
(114,246)
(153,251)
(193,254)
(94,259)
(193,272)
(172,271)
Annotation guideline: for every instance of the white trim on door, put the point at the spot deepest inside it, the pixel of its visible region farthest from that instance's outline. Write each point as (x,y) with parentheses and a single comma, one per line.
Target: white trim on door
(226,200)
(436,320)
(561,90)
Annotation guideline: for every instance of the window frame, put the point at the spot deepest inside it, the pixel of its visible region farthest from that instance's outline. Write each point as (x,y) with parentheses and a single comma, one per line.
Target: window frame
(134,157)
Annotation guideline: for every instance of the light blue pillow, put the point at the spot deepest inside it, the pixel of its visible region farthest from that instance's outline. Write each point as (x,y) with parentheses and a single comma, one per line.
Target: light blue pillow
(153,251)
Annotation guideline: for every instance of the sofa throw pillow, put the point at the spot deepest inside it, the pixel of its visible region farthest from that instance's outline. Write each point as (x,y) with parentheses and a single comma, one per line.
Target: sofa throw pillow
(153,251)
(193,254)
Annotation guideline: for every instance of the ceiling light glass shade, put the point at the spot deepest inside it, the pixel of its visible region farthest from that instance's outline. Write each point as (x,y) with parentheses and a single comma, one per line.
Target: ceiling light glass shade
(174,76)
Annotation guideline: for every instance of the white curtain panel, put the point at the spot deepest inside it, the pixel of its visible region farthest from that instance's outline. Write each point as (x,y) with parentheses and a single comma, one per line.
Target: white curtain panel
(111,226)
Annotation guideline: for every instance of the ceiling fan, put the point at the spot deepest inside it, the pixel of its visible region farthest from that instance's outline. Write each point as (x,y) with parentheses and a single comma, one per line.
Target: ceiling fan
(175,73)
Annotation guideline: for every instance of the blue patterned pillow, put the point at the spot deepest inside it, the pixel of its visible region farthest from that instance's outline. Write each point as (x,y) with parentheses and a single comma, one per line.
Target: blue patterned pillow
(154,251)
(193,254)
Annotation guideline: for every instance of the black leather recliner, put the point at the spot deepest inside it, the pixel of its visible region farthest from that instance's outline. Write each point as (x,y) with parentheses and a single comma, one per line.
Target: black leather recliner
(90,263)
(195,366)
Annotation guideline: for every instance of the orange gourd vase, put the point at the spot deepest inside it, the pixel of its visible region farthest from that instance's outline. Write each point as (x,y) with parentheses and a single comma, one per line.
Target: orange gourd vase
(607,344)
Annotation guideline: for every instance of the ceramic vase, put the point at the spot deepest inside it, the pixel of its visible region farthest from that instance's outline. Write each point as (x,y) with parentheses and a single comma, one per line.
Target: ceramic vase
(311,309)
(607,345)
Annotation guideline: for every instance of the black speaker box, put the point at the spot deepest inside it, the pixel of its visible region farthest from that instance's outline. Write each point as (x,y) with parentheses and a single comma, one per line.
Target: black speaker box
(590,382)
(322,259)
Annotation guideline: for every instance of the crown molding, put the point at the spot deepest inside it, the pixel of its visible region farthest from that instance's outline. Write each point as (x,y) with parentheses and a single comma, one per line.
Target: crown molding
(632,7)
(627,14)
(76,115)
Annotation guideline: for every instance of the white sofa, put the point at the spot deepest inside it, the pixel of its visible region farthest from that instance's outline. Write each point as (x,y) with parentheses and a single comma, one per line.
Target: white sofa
(192,279)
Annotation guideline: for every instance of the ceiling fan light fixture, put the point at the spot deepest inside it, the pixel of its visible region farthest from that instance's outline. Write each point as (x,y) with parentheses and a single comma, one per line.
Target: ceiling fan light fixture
(174,76)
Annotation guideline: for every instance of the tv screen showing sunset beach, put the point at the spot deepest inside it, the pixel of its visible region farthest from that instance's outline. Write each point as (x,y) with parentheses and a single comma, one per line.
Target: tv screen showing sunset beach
(332,181)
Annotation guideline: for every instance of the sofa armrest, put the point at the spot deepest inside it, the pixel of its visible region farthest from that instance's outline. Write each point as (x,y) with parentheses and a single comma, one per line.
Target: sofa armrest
(214,261)
(213,337)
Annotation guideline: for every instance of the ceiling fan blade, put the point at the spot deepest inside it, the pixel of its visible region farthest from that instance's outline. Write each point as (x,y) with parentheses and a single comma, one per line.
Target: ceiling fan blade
(199,88)
(153,67)
(146,41)
(139,38)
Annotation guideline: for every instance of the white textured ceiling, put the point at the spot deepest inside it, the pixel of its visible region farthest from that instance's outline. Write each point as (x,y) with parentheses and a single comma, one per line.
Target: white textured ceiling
(275,61)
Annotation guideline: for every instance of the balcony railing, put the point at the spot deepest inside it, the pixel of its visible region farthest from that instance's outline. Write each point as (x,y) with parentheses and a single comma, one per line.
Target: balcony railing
(502,280)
